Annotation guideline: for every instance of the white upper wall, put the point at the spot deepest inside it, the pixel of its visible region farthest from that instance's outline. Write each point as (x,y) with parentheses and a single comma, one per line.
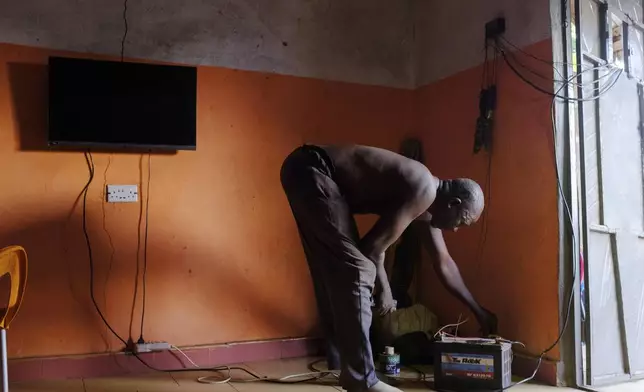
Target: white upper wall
(450,33)
(362,41)
(397,43)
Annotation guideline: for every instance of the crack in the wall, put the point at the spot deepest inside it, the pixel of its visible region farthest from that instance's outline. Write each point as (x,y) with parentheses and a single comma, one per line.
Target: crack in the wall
(404,44)
(362,41)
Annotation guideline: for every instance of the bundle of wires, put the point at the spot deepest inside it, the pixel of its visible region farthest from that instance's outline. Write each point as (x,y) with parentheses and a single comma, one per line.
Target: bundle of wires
(590,91)
(484,137)
(90,164)
(290,379)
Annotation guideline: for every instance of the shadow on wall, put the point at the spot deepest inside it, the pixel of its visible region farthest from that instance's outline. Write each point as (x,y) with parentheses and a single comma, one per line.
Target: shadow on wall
(58,316)
(29,90)
(57,270)
(58,312)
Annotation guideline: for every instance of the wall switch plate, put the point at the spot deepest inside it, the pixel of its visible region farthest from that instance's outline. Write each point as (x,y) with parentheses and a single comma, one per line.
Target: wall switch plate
(122,193)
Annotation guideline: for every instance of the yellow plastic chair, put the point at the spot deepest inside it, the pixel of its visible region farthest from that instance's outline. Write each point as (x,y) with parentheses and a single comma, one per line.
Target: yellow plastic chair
(13,261)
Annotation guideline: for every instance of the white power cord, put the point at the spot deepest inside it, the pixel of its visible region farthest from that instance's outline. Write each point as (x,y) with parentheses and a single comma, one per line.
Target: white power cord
(184,355)
(309,376)
(456,325)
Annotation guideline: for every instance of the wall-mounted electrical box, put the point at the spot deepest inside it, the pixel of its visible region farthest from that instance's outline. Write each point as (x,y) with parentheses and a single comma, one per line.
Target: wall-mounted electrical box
(495,28)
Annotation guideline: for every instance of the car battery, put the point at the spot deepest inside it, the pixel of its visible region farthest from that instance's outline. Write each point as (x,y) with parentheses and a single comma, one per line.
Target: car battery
(468,364)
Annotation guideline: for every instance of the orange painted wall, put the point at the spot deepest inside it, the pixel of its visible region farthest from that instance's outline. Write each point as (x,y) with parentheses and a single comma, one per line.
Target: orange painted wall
(224,261)
(517,275)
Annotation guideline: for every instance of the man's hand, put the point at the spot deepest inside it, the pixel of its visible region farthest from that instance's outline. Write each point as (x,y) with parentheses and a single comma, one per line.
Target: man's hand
(488,322)
(385,303)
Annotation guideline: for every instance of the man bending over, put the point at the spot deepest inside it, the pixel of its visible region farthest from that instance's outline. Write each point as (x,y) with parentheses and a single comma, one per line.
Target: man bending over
(326,186)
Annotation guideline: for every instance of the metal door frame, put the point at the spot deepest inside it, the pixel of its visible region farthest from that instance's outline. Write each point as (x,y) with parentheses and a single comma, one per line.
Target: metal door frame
(606,12)
(570,153)
(569,371)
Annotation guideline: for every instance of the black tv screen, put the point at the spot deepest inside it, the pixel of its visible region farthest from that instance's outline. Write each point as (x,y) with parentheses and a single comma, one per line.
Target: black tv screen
(122,105)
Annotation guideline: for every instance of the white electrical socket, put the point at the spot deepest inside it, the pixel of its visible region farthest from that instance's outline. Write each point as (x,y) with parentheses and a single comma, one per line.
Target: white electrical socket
(150,347)
(122,193)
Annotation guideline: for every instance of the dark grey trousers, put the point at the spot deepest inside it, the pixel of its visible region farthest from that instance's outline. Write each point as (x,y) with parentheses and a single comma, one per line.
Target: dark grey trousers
(343,278)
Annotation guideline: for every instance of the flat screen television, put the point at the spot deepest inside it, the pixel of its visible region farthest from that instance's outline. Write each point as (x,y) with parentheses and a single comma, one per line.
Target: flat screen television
(110,104)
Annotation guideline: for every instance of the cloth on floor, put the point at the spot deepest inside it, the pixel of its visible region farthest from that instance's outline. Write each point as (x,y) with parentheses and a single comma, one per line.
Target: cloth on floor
(416,318)
(410,331)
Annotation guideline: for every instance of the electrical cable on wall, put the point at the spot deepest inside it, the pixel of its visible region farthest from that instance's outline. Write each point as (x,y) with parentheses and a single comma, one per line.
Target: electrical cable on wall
(484,138)
(487,105)
(90,164)
(566,83)
(597,92)
(145,245)
(110,240)
(141,340)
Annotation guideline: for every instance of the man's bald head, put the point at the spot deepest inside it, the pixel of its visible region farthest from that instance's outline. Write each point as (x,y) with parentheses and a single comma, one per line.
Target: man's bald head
(471,195)
(459,202)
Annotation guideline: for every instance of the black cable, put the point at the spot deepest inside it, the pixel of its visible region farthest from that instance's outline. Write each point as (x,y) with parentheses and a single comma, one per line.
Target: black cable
(495,64)
(484,78)
(518,49)
(523,66)
(490,85)
(126,30)
(90,164)
(486,216)
(546,92)
(528,54)
(500,46)
(524,78)
(145,243)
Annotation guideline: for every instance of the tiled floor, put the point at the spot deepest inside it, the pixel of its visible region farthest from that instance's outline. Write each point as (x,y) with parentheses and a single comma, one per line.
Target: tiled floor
(186,382)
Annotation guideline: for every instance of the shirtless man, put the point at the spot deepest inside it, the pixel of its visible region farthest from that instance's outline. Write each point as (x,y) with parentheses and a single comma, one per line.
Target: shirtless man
(325,187)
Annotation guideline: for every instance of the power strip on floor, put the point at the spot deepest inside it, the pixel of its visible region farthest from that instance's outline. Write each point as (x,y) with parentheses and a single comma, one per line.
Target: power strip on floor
(150,347)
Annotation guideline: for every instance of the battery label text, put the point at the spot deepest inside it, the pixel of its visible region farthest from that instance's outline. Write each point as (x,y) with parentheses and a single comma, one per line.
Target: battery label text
(472,366)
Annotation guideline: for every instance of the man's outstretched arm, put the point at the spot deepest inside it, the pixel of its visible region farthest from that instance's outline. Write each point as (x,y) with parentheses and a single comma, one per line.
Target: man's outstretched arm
(450,276)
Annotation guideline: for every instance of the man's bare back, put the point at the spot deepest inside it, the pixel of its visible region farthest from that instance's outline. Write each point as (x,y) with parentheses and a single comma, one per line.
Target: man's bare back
(378,181)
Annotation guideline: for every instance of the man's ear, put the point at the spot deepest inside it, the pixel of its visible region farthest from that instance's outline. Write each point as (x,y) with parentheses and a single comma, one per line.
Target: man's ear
(454,202)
